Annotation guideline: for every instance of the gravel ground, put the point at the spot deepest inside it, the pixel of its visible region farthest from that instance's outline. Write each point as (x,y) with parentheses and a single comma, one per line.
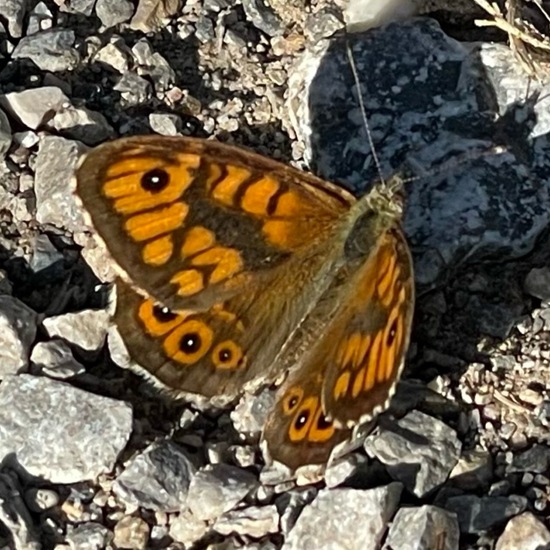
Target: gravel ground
(93,456)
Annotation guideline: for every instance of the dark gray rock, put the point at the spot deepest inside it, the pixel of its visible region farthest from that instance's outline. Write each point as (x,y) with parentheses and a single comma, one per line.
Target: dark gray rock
(479,514)
(537,283)
(535,460)
(424,93)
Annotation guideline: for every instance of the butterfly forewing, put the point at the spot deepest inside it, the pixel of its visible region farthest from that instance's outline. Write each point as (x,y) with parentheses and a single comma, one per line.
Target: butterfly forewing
(192,222)
(369,335)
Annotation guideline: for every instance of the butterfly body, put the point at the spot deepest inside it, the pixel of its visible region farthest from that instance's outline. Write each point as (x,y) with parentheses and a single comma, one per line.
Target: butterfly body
(236,269)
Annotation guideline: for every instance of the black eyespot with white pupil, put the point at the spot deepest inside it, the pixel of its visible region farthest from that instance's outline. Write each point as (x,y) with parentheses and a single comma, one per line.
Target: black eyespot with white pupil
(225,355)
(155,180)
(163,314)
(392,332)
(301,420)
(292,402)
(323,423)
(190,343)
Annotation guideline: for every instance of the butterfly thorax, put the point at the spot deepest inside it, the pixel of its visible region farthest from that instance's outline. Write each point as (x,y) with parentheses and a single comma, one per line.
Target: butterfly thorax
(374,214)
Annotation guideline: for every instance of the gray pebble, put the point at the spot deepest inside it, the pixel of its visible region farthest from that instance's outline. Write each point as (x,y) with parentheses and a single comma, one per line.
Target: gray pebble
(58,432)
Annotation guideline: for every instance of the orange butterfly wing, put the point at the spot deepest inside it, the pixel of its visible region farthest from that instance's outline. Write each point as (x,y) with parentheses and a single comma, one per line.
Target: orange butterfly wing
(350,373)
(191,222)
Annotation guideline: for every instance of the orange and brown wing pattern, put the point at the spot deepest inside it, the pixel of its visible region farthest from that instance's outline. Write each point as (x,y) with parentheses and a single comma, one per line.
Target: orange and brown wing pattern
(349,373)
(364,355)
(188,351)
(191,222)
(297,431)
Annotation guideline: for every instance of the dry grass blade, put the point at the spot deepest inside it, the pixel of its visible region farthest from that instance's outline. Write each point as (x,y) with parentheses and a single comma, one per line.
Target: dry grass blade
(530,45)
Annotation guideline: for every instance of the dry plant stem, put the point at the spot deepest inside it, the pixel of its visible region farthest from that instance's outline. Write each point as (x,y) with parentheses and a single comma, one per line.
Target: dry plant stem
(518,35)
(501,22)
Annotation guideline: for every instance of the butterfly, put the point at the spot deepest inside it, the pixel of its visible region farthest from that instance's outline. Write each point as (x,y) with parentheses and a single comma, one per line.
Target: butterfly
(236,270)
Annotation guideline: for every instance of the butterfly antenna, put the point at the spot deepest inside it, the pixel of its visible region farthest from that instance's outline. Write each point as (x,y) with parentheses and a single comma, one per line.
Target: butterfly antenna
(363,110)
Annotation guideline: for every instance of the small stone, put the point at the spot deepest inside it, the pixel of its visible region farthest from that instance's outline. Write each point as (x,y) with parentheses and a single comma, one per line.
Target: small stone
(157,479)
(323,24)
(165,124)
(115,55)
(526,532)
(44,255)
(86,329)
(479,514)
(423,527)
(204,29)
(187,529)
(345,518)
(250,414)
(60,433)
(254,521)
(361,15)
(18,325)
(152,15)
(291,504)
(81,124)
(54,171)
(218,488)
(131,532)
(89,536)
(27,140)
(113,13)
(474,470)
(537,283)
(40,500)
(421,454)
(40,19)
(133,89)
(536,460)
(34,107)
(263,17)
(13,12)
(152,64)
(49,50)
(340,471)
(5,134)
(56,359)
(85,7)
